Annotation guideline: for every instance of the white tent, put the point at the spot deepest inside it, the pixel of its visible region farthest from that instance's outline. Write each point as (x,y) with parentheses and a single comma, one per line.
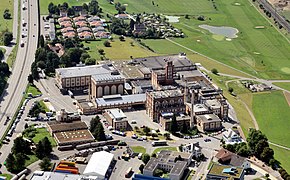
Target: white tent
(99,164)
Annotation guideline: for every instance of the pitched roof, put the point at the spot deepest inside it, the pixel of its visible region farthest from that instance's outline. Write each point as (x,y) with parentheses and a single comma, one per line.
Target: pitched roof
(223,155)
(226,157)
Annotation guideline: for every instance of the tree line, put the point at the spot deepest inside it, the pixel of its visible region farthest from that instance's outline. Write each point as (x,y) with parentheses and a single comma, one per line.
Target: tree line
(97,129)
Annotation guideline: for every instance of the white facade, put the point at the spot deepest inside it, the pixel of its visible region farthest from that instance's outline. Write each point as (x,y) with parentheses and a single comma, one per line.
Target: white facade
(193,149)
(231,137)
(99,164)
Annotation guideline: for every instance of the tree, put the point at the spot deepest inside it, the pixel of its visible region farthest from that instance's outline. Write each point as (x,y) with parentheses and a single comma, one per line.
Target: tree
(253,138)
(167,136)
(7,14)
(10,162)
(107,43)
(186,16)
(84,56)
(153,155)
(41,41)
(145,158)
(45,164)
(99,133)
(141,167)
(90,61)
(146,130)
(1,54)
(25,126)
(47,148)
(122,38)
(70,12)
(173,124)
(260,146)
(101,51)
(93,123)
(158,172)
(39,150)
(51,8)
(267,155)
(93,7)
(215,71)
(30,79)
(231,90)
(20,146)
(85,7)
(7,38)
(19,162)
(184,128)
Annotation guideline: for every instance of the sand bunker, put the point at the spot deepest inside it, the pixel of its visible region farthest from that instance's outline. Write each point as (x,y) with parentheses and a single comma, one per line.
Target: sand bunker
(260,27)
(173,19)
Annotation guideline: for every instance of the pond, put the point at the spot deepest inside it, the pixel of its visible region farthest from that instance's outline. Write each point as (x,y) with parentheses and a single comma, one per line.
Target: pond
(172,19)
(228,32)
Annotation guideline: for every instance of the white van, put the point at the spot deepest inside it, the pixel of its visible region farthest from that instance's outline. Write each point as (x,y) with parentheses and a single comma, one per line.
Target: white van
(140,156)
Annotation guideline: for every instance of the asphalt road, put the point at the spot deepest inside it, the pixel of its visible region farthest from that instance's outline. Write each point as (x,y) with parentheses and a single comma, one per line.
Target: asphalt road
(17,82)
(25,56)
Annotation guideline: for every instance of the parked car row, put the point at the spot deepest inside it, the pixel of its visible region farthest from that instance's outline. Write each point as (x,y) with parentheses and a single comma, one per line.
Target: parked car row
(141,138)
(192,137)
(119,132)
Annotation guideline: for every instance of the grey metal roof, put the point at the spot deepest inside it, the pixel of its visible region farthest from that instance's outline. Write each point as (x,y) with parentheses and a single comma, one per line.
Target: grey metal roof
(107,77)
(121,99)
(41,175)
(83,71)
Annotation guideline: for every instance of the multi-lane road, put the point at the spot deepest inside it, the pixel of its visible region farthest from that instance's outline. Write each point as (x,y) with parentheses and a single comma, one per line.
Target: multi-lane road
(17,82)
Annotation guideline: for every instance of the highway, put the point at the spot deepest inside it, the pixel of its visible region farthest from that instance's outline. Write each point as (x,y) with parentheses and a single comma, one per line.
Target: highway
(17,82)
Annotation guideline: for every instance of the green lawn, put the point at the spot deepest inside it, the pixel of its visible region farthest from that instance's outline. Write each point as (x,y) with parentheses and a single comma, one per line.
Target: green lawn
(44,4)
(8,176)
(44,106)
(32,159)
(32,89)
(283,85)
(261,52)
(164,148)
(41,133)
(4,23)
(283,156)
(163,6)
(272,113)
(119,50)
(138,149)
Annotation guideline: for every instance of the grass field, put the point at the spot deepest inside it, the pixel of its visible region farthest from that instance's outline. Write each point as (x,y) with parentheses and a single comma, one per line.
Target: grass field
(138,149)
(164,148)
(33,90)
(272,113)
(283,156)
(44,4)
(41,133)
(6,24)
(283,85)
(32,159)
(8,176)
(119,50)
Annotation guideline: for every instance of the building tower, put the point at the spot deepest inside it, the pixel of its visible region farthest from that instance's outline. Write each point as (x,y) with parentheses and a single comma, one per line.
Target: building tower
(192,112)
(169,68)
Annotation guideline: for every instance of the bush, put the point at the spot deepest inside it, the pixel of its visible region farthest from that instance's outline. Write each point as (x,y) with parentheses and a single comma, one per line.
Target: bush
(231,90)
(215,71)
(107,44)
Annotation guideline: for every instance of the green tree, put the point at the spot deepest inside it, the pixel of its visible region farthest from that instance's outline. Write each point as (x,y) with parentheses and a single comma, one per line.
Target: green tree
(215,71)
(39,151)
(253,138)
(84,56)
(10,162)
(260,146)
(47,148)
(146,130)
(167,136)
(158,172)
(41,41)
(173,124)
(267,155)
(85,7)
(19,162)
(20,146)
(101,51)
(184,128)
(7,14)
(122,38)
(141,167)
(99,132)
(90,61)
(7,38)
(1,54)
(145,158)
(70,12)
(231,90)
(93,7)
(45,164)
(93,123)
(107,43)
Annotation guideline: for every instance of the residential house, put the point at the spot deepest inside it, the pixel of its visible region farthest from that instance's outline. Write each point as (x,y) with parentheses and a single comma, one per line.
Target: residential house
(231,137)
(80,24)
(139,28)
(226,157)
(102,35)
(221,172)
(122,16)
(67,29)
(79,18)
(63,19)
(97,29)
(94,18)
(83,29)
(192,148)
(94,24)
(85,35)
(65,24)
(69,35)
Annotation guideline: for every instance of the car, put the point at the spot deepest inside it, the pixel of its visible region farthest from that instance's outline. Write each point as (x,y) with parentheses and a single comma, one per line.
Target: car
(122,143)
(134,136)
(140,139)
(207,140)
